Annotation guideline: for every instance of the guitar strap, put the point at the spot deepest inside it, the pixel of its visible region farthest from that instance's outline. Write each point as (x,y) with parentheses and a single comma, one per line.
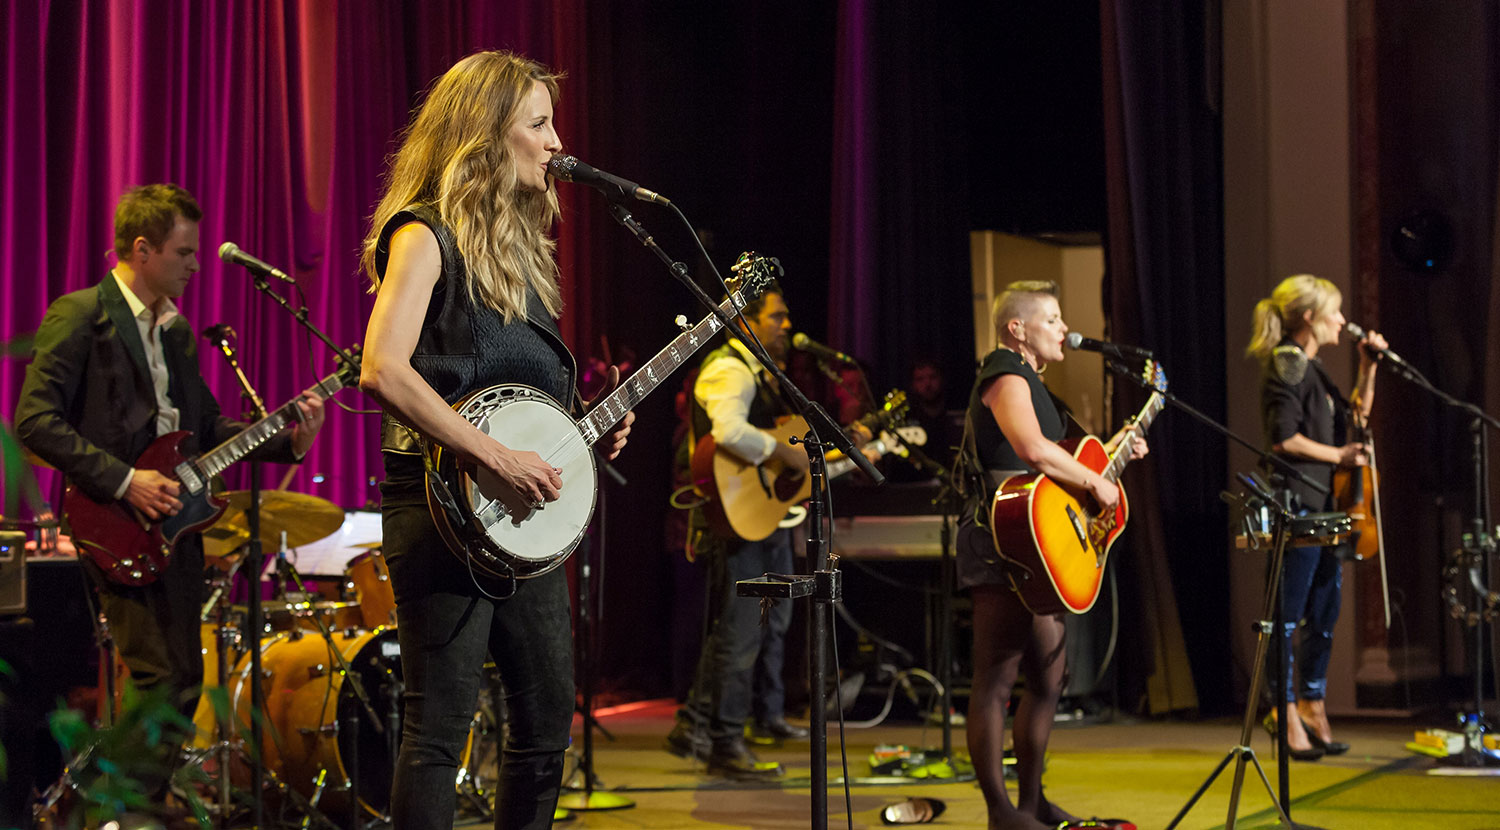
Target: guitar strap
(969,478)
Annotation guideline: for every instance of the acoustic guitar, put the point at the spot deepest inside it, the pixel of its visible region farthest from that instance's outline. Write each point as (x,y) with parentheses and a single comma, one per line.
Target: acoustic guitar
(1059,539)
(751,500)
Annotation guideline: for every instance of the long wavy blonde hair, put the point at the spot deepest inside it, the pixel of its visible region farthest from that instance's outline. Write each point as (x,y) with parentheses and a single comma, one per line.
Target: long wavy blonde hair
(1282,312)
(454,156)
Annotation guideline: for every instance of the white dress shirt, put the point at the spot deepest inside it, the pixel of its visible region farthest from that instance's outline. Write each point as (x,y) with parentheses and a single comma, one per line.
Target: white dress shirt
(725,389)
(151,326)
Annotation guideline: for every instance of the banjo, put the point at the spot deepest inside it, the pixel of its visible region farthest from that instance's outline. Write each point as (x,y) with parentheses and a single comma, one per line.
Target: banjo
(485,522)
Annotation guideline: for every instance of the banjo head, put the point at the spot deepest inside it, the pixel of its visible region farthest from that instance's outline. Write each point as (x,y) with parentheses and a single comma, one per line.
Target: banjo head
(531,540)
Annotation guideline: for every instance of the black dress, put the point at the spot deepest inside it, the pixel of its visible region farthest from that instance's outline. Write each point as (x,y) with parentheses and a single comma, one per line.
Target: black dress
(978,563)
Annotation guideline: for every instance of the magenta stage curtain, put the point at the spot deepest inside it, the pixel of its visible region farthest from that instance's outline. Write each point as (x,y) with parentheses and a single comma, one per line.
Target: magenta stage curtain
(278,116)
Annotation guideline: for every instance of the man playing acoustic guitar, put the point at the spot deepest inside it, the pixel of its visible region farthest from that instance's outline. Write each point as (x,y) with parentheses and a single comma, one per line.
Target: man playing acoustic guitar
(733,399)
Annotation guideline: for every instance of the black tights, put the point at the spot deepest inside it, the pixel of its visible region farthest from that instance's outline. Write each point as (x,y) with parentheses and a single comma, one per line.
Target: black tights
(1008,638)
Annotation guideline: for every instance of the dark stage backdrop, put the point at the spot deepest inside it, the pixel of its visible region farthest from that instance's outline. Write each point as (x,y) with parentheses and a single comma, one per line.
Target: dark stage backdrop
(841,137)
(1165,256)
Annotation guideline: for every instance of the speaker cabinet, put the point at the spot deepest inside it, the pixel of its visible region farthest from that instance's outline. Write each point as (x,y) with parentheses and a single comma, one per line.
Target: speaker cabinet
(12,572)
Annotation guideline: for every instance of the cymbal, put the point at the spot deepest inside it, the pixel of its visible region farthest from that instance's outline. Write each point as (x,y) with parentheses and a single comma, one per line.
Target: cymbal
(305,607)
(305,519)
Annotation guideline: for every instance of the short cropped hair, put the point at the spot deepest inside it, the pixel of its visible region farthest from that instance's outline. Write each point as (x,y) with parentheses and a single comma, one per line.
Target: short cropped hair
(1016,301)
(150,211)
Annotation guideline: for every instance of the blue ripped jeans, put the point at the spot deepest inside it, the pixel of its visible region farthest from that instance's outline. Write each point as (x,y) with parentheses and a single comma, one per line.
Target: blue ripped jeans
(1310,597)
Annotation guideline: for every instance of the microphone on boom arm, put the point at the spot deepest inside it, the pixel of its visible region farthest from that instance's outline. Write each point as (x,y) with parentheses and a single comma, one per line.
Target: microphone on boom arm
(570,169)
(803,343)
(1119,351)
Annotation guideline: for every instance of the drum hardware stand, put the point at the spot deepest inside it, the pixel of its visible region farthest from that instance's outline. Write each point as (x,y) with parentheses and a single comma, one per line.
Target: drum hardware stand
(589,617)
(388,727)
(254,557)
(825,584)
(106,709)
(228,747)
(1270,617)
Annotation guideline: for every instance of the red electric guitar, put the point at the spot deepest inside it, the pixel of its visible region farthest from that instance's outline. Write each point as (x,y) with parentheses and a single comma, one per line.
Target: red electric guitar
(1058,538)
(131,549)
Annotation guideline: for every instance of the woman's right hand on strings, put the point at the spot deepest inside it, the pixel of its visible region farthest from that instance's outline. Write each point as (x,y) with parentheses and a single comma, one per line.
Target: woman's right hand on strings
(534,480)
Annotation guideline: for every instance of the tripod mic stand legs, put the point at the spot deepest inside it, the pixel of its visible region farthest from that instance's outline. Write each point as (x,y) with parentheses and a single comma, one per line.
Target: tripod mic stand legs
(1268,625)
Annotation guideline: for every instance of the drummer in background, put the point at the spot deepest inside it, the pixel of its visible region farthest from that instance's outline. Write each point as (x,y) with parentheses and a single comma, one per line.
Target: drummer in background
(1306,420)
(116,366)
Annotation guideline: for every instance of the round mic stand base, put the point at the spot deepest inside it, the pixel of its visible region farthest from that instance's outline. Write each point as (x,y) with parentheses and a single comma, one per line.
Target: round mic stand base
(594,800)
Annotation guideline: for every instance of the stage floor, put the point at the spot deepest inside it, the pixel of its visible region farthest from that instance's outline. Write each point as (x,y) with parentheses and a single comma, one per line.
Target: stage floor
(1142,770)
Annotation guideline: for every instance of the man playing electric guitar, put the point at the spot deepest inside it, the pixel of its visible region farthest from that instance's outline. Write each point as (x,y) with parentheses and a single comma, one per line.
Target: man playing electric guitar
(115,367)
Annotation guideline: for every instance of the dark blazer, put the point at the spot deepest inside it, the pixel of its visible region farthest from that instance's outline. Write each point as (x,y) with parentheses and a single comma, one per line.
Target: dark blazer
(87,406)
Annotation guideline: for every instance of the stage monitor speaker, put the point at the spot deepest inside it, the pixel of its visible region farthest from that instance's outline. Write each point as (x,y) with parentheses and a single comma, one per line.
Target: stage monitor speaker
(12,572)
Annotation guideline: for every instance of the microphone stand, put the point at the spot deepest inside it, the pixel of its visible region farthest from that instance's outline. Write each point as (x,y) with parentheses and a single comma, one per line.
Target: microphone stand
(1479,548)
(590,615)
(825,584)
(1270,620)
(255,559)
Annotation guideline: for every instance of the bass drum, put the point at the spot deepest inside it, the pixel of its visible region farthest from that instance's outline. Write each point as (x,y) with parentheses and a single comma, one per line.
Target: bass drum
(307,698)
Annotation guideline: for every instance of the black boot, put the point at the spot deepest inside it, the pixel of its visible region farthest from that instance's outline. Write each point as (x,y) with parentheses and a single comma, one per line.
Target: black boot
(733,759)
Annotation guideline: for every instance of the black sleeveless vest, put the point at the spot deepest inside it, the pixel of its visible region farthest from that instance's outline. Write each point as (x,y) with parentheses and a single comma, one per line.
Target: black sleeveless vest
(466,346)
(995,452)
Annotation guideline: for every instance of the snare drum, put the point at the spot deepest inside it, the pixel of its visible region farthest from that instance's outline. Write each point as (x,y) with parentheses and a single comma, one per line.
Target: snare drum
(371,581)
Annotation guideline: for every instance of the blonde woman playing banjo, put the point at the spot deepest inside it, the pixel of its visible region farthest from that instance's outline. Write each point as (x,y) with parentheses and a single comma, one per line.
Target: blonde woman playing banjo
(467,298)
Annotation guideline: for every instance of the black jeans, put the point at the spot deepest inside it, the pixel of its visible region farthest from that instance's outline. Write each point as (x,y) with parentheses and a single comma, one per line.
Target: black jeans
(446,627)
(738,649)
(157,630)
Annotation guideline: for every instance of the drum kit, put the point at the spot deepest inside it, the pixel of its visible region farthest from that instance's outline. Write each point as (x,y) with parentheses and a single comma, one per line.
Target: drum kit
(330,666)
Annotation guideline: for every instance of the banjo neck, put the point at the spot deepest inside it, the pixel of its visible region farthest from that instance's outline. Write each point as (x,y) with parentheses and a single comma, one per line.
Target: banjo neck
(608,412)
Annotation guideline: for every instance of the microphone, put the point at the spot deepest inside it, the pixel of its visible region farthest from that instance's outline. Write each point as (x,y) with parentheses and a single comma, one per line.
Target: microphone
(802,342)
(1119,351)
(231,253)
(1359,334)
(570,169)
(219,333)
